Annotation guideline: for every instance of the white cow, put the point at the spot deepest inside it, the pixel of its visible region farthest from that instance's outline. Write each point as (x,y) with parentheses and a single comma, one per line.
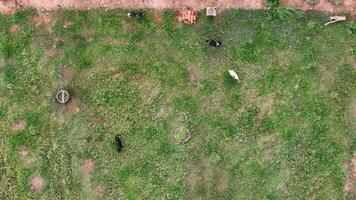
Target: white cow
(234,75)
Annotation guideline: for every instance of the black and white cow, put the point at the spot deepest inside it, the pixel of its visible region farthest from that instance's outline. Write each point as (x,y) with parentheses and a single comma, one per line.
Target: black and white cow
(135,14)
(214,43)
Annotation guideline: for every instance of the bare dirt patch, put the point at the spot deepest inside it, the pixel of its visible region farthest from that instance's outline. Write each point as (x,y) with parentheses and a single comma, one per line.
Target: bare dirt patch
(18,125)
(23,151)
(193,78)
(9,6)
(45,20)
(98,191)
(323,5)
(27,160)
(36,183)
(67,23)
(157,17)
(350,182)
(87,167)
(66,74)
(14,28)
(71,107)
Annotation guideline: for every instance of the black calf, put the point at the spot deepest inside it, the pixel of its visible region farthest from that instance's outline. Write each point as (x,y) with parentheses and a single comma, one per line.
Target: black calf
(214,43)
(135,14)
(118,143)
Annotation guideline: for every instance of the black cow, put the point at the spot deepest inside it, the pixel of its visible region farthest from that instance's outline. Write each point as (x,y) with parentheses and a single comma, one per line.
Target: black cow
(214,43)
(118,143)
(135,14)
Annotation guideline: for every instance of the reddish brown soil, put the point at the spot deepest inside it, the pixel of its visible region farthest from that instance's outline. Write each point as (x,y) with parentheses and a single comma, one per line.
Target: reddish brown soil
(66,74)
(37,183)
(14,28)
(8,6)
(19,125)
(87,167)
(348,6)
(350,182)
(23,151)
(72,106)
(98,191)
(44,19)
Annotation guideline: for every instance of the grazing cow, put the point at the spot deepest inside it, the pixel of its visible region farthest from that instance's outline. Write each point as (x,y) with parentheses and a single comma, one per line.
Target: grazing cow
(118,143)
(214,43)
(135,14)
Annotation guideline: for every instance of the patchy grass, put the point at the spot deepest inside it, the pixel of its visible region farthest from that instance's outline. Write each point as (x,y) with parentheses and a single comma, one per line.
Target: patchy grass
(282,133)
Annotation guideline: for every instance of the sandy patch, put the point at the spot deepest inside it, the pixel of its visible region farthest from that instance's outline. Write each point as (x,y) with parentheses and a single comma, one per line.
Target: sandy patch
(37,183)
(87,167)
(18,125)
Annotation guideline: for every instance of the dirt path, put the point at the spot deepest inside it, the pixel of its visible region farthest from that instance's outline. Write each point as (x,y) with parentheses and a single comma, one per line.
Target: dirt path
(8,6)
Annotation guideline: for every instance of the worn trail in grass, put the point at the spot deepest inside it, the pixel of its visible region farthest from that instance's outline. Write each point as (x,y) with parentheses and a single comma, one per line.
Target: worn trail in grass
(283,133)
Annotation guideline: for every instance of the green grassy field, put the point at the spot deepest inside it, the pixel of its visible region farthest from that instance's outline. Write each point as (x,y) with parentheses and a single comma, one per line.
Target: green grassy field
(283,133)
